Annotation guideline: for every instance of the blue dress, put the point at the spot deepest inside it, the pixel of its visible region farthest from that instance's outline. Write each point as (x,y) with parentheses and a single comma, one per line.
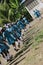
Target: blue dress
(37,13)
(20,25)
(3,46)
(10,38)
(18,31)
(11,31)
(25,20)
(15,27)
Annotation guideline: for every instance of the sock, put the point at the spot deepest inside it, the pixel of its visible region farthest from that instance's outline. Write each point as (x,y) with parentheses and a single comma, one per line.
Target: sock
(0,63)
(14,47)
(16,43)
(6,57)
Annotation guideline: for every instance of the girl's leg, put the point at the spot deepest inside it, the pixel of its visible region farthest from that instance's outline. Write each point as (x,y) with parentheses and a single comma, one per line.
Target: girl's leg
(3,54)
(15,46)
(9,57)
(18,43)
(8,54)
(0,63)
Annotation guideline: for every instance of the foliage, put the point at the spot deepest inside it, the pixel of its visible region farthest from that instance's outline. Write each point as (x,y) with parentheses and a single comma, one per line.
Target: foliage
(39,37)
(11,10)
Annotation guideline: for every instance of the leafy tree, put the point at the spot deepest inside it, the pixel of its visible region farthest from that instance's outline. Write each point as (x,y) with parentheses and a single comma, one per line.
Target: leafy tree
(10,10)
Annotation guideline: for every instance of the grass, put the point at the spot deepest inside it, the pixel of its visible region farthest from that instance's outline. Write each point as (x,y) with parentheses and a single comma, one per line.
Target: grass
(39,37)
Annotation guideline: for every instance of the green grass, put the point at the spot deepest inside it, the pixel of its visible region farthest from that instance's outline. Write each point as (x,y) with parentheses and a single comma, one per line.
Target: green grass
(39,37)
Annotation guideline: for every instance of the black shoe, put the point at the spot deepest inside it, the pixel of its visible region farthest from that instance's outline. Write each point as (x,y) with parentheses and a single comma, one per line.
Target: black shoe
(19,45)
(0,62)
(8,60)
(16,49)
(11,58)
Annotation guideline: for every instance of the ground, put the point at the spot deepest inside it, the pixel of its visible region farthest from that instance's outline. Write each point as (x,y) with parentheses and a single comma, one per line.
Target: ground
(33,57)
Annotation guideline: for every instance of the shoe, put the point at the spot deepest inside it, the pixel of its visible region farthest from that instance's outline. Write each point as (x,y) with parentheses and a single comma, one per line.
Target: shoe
(11,58)
(16,49)
(19,45)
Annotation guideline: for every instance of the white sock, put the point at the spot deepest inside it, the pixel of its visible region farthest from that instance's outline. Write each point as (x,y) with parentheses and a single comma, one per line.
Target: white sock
(14,47)
(16,43)
(6,57)
(0,64)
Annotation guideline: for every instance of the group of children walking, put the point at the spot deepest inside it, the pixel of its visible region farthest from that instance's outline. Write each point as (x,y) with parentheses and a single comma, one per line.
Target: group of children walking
(11,34)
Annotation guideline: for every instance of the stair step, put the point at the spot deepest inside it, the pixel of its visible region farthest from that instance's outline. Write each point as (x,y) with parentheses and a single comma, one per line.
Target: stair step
(32,5)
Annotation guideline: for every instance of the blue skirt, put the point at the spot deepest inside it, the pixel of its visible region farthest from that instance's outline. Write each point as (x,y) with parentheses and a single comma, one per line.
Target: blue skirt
(10,38)
(3,47)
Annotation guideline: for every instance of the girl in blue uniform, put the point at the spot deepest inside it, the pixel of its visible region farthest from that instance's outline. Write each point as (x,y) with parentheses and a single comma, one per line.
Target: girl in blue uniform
(4,48)
(16,27)
(20,24)
(13,30)
(16,30)
(25,20)
(37,13)
(10,38)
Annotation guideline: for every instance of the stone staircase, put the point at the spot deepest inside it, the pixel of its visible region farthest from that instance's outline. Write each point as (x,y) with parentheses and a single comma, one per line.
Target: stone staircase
(32,5)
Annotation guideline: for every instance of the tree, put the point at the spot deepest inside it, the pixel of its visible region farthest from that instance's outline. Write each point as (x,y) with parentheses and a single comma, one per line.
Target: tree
(4,9)
(15,5)
(10,10)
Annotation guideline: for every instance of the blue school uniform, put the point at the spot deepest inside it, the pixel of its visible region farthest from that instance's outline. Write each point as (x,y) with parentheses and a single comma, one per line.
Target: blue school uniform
(25,20)
(18,32)
(10,38)
(15,27)
(3,46)
(37,13)
(11,30)
(20,24)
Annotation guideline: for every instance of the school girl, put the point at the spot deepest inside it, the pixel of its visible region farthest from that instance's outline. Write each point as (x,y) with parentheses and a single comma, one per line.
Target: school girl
(37,13)
(4,48)
(25,20)
(10,38)
(20,24)
(14,32)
